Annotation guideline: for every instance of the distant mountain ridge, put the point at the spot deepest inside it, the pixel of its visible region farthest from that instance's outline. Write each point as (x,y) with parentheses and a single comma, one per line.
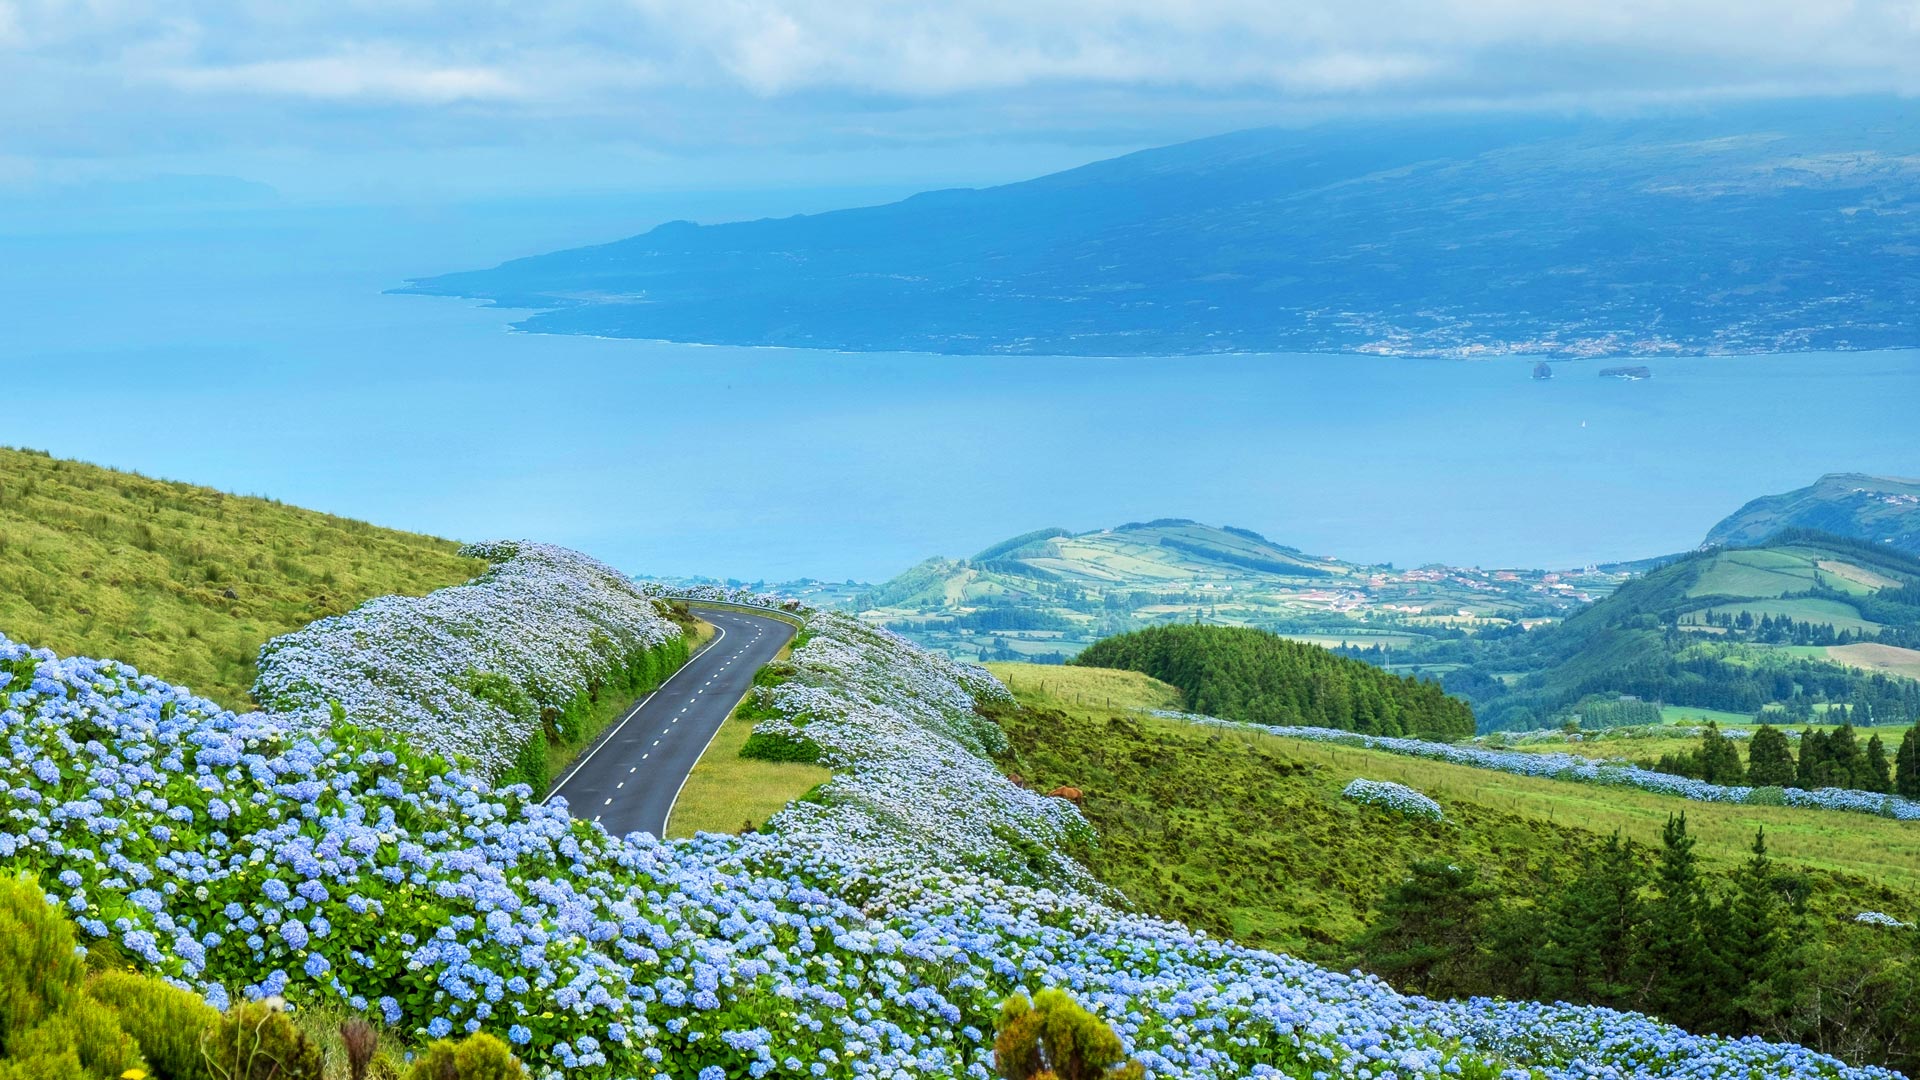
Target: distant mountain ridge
(1877,509)
(1752,229)
(1047,593)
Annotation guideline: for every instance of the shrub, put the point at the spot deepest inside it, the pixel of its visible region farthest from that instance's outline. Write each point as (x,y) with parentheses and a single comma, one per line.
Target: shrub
(50,1028)
(1053,1037)
(1398,798)
(256,1041)
(774,746)
(169,1023)
(477,1057)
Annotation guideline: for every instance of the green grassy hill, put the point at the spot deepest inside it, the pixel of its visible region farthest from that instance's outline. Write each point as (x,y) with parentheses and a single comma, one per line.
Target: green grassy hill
(1247,835)
(1876,509)
(185,582)
(1802,620)
(1047,594)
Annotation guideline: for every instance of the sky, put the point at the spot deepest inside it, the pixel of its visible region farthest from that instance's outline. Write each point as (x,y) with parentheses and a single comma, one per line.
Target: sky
(356,99)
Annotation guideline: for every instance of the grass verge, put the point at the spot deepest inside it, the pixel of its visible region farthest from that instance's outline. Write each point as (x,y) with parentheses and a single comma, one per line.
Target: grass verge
(728,793)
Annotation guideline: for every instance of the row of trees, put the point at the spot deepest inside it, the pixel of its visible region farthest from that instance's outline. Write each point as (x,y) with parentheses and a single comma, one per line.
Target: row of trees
(1783,630)
(1253,676)
(1734,952)
(1825,759)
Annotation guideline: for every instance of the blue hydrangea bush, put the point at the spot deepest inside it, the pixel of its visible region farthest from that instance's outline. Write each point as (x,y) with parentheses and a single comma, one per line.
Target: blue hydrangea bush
(1586,770)
(870,932)
(469,670)
(1398,798)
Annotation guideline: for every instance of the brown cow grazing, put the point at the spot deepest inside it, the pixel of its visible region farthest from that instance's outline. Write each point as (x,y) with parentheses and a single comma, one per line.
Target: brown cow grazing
(1071,794)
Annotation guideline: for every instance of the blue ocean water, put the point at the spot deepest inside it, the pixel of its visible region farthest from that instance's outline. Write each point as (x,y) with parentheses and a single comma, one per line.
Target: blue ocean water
(253,349)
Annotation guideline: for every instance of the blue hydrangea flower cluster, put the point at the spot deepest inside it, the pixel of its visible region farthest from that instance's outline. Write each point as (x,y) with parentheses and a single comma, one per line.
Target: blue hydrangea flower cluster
(1398,798)
(869,933)
(1586,770)
(547,620)
(1879,918)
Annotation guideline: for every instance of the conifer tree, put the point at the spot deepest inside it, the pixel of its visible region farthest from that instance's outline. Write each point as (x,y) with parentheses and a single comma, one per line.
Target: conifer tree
(1676,964)
(1752,947)
(1813,758)
(1770,758)
(1719,758)
(1906,770)
(1873,773)
(1426,938)
(1595,929)
(1843,761)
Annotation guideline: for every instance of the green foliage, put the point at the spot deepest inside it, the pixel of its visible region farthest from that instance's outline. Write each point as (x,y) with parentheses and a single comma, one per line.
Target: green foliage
(1717,761)
(529,764)
(1674,959)
(50,1027)
(567,729)
(1052,1038)
(1906,771)
(257,1041)
(1587,945)
(477,1057)
(1770,760)
(1015,544)
(776,746)
(167,1022)
(185,582)
(1428,929)
(1250,675)
(1600,712)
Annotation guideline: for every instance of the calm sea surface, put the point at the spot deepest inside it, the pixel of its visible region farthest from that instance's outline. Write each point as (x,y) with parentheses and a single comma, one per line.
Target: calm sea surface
(254,351)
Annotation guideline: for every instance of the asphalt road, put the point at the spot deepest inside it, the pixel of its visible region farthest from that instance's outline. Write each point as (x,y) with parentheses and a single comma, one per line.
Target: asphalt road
(629,779)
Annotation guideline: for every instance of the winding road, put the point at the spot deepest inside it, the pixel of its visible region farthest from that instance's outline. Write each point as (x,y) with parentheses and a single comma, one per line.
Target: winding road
(629,779)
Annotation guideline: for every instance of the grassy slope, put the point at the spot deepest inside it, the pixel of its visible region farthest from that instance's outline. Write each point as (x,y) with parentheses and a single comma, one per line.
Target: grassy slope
(181,581)
(1613,645)
(1247,835)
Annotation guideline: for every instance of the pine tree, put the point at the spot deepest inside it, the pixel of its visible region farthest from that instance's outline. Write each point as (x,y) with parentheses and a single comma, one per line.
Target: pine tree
(1426,939)
(1753,949)
(1719,758)
(1844,760)
(1770,758)
(1813,758)
(1906,768)
(1594,929)
(1676,970)
(1873,774)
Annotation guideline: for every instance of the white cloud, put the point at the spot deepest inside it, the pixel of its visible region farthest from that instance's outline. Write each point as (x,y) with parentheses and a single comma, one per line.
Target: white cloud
(342,77)
(106,76)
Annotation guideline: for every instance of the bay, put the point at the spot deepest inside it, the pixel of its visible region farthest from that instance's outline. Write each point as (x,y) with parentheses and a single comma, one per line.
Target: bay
(253,349)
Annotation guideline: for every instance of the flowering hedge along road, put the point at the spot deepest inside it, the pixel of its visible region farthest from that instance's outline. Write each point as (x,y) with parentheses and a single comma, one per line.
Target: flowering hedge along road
(477,670)
(1586,770)
(1398,798)
(872,931)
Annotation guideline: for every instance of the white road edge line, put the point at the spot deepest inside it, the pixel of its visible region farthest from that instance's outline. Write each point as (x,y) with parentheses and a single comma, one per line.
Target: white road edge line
(675,801)
(608,737)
